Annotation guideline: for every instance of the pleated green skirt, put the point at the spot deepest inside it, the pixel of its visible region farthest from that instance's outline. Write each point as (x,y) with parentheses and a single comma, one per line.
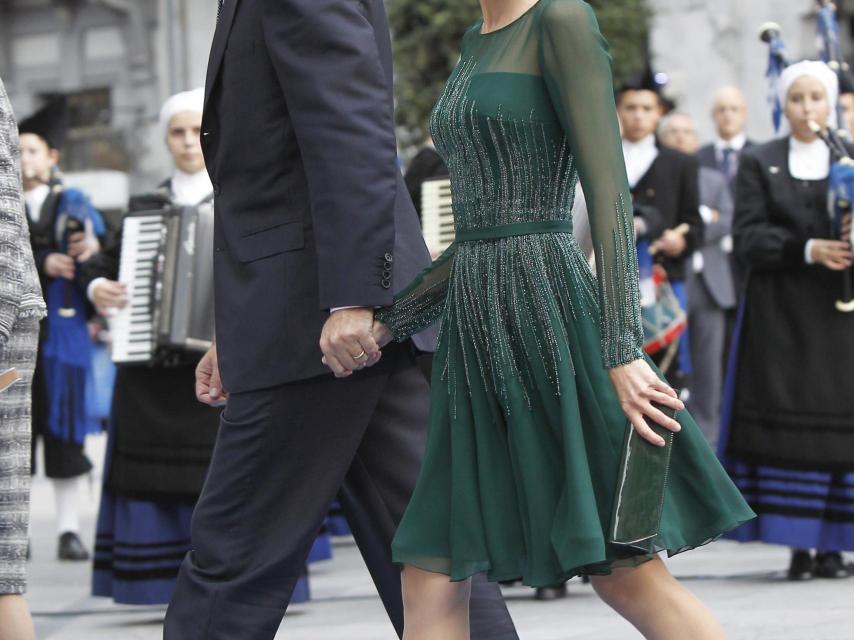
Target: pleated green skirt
(526,431)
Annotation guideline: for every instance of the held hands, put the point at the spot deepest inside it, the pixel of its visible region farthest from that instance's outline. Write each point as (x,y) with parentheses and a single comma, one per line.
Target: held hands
(208,384)
(637,388)
(348,343)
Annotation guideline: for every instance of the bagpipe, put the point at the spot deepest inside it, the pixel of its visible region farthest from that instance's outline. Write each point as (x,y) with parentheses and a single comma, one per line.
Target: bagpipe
(841,179)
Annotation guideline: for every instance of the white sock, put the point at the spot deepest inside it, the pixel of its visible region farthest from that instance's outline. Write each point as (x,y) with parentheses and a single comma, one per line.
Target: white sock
(67,517)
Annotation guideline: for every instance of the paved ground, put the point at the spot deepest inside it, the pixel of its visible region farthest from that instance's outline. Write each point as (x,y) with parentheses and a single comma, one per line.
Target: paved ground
(742,584)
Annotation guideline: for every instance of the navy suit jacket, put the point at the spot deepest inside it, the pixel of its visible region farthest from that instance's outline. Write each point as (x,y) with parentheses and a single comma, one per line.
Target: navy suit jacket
(311,209)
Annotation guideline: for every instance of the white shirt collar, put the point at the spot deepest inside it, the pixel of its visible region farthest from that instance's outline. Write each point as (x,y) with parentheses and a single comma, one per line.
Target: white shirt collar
(191,188)
(639,157)
(35,200)
(808,160)
(644,144)
(735,143)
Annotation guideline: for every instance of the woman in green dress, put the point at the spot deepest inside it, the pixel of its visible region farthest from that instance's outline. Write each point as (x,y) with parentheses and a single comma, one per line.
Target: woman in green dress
(539,362)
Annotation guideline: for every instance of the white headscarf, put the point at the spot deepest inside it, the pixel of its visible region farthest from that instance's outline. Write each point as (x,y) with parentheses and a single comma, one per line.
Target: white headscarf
(814,69)
(186,101)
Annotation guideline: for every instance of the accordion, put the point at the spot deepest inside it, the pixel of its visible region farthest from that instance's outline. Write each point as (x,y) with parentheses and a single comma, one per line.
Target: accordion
(437,214)
(166,261)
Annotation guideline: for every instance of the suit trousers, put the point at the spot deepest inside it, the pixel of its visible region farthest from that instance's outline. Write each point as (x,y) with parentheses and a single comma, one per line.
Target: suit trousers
(281,456)
(707,323)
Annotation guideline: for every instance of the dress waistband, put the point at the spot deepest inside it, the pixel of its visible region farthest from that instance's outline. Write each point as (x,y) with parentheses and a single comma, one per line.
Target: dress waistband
(515,229)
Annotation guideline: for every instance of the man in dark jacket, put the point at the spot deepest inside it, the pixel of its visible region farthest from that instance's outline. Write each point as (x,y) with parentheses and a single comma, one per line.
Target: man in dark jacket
(313,230)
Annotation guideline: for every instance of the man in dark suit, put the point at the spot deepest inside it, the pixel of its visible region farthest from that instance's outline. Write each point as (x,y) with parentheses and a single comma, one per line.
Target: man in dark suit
(729,112)
(664,187)
(708,281)
(312,217)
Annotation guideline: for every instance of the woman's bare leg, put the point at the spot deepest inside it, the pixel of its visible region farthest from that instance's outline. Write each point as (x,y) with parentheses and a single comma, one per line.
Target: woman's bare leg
(660,608)
(434,607)
(15,620)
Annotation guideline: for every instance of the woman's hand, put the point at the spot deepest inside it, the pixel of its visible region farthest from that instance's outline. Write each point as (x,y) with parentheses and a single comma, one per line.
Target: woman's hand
(382,334)
(110,295)
(833,254)
(637,387)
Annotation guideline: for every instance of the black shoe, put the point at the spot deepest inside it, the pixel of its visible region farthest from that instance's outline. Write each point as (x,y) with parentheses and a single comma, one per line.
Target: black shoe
(71,547)
(802,565)
(551,593)
(830,565)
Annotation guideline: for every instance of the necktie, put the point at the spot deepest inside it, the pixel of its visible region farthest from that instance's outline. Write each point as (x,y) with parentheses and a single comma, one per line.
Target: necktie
(728,163)
(219,10)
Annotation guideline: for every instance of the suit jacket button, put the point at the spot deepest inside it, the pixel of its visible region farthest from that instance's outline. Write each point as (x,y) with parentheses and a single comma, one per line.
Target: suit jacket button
(386,283)
(216,189)
(389,257)
(387,266)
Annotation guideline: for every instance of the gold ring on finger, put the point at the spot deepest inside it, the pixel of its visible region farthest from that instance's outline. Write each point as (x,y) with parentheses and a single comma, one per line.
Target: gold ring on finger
(360,356)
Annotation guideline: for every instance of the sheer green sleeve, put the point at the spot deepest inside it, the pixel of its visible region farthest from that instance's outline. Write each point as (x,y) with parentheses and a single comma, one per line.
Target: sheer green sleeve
(577,71)
(422,302)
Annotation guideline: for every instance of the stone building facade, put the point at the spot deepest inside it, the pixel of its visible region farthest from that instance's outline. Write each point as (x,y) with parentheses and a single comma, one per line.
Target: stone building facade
(703,44)
(119,59)
(116,60)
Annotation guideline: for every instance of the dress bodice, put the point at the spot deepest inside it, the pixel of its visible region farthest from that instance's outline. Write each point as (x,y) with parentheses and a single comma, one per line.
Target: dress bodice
(528,111)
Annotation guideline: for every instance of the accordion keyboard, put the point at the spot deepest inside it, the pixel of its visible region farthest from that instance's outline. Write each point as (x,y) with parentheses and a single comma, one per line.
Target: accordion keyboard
(132,328)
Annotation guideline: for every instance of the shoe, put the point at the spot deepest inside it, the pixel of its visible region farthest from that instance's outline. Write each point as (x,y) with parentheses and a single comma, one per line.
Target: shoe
(71,548)
(830,565)
(551,593)
(802,565)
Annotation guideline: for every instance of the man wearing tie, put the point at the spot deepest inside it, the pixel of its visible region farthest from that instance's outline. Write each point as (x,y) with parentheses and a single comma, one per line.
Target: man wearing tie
(313,229)
(729,113)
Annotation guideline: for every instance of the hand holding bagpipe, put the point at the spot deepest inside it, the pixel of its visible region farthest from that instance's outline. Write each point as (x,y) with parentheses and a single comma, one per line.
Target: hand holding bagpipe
(836,254)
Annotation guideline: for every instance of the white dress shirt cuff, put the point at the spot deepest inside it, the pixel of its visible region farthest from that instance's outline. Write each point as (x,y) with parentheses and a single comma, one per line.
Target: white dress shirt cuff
(706,214)
(808,252)
(90,290)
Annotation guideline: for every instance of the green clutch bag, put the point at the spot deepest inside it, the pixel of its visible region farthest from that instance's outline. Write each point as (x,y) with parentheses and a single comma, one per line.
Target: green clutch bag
(640,488)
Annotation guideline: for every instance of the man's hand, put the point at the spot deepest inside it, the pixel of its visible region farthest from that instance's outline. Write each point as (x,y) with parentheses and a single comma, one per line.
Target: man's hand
(59,265)
(347,342)
(82,246)
(208,384)
(671,243)
(110,295)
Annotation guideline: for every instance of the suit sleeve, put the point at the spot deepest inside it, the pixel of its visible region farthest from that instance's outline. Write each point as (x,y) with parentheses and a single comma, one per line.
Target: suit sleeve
(577,73)
(339,98)
(758,241)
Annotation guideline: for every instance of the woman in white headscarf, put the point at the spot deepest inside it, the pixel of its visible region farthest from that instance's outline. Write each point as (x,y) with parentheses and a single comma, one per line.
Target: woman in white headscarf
(160,439)
(788,432)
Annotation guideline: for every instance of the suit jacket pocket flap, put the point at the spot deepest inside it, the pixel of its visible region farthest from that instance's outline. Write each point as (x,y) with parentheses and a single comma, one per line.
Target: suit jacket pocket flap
(270,242)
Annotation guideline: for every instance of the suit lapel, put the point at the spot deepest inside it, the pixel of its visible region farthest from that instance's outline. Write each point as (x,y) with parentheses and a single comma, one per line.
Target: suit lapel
(220,40)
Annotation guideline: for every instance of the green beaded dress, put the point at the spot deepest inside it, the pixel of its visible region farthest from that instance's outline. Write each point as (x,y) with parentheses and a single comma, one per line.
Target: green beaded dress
(526,430)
